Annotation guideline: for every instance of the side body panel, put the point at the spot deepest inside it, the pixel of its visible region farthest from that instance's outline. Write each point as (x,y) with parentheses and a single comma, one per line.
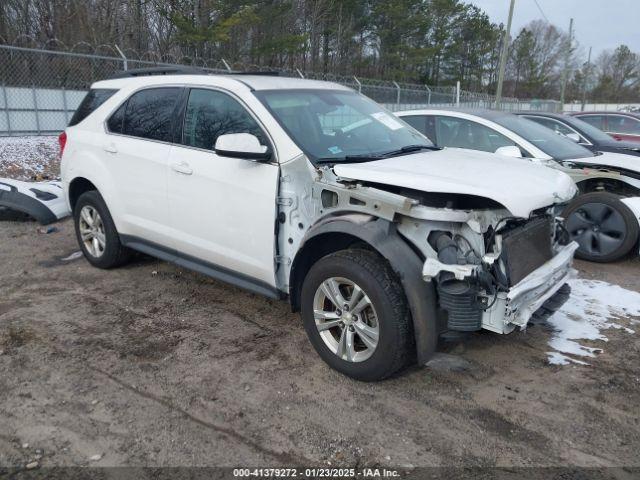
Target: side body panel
(224,211)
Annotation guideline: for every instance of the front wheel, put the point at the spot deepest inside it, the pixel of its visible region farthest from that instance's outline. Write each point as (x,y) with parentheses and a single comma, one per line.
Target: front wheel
(604,227)
(356,315)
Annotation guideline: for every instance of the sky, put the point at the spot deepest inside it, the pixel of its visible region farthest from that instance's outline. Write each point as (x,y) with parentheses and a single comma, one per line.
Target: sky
(601,24)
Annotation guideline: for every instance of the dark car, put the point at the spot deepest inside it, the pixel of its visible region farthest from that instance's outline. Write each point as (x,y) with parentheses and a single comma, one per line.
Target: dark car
(582,132)
(623,126)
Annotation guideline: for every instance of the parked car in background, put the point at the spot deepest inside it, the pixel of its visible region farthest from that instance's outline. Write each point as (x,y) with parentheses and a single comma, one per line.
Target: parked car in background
(582,133)
(623,126)
(603,219)
(309,191)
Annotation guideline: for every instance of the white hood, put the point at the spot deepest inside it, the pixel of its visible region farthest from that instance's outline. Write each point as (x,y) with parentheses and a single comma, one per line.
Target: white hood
(517,184)
(620,160)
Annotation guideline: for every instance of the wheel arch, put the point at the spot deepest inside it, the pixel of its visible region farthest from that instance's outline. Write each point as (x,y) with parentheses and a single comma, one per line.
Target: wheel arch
(607,184)
(379,235)
(77,187)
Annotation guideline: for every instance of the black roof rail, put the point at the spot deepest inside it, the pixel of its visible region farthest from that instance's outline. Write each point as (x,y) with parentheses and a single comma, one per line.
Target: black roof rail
(187,70)
(270,73)
(143,72)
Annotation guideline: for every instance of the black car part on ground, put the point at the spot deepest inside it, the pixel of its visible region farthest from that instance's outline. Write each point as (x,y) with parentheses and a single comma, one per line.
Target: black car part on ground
(11,198)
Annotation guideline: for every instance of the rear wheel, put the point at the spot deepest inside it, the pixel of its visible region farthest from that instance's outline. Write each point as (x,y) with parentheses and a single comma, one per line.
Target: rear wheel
(96,232)
(356,315)
(604,227)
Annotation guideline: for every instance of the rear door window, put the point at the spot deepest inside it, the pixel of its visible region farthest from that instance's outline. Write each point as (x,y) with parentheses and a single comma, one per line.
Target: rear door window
(150,114)
(116,121)
(595,120)
(558,127)
(92,100)
(622,124)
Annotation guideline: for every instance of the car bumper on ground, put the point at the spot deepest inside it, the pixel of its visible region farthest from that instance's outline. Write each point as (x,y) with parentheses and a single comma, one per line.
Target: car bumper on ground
(43,201)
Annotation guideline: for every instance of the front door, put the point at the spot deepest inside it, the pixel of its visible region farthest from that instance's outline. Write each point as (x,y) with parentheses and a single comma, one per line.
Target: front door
(222,209)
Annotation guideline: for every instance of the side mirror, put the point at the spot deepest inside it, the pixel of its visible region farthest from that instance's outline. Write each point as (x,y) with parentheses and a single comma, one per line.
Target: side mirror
(573,136)
(509,151)
(241,145)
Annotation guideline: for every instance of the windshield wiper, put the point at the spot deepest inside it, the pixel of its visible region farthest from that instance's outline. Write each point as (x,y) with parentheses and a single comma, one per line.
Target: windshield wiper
(410,149)
(365,157)
(369,157)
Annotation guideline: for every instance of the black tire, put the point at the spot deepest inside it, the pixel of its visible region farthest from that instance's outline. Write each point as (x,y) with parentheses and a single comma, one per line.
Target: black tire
(395,345)
(605,227)
(114,254)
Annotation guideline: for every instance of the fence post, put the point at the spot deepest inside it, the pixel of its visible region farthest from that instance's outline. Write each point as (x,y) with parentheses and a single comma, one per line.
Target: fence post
(6,108)
(358,83)
(398,97)
(35,107)
(125,63)
(458,94)
(428,94)
(64,105)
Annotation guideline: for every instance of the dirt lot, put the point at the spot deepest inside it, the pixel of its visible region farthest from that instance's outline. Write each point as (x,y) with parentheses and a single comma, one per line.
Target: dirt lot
(153,365)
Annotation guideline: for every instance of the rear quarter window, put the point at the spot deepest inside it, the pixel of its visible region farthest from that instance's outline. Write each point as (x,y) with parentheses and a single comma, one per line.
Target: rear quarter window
(94,98)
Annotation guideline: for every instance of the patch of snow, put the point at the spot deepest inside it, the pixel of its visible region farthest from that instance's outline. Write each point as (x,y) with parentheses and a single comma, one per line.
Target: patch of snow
(594,306)
(26,158)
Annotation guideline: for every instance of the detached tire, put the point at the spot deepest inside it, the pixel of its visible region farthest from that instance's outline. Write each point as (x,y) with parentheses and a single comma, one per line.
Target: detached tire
(96,232)
(356,315)
(604,227)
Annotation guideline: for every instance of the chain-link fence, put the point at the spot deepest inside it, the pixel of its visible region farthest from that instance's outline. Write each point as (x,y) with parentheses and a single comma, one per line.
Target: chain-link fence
(41,88)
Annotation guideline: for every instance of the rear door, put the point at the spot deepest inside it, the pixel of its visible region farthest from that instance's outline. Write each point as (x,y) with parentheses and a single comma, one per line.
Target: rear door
(137,146)
(222,209)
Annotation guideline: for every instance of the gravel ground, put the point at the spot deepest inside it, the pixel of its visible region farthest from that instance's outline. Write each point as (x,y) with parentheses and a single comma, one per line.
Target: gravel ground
(29,158)
(151,365)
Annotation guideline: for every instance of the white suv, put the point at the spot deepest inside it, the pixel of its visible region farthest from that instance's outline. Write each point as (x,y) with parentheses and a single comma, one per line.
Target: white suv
(309,191)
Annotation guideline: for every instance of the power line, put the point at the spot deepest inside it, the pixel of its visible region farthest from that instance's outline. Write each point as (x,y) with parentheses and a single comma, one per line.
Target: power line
(541,11)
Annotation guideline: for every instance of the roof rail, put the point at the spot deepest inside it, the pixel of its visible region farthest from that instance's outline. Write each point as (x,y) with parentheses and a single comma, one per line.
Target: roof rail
(166,70)
(269,73)
(186,70)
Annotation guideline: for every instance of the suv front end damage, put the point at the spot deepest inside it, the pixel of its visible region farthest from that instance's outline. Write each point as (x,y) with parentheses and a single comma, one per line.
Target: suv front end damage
(489,269)
(497,275)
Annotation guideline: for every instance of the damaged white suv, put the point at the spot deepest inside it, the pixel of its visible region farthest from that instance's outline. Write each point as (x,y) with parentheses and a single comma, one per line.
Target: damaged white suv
(309,191)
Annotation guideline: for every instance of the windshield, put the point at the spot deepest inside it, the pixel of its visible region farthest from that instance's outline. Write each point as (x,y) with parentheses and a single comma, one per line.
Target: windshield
(554,145)
(598,135)
(335,126)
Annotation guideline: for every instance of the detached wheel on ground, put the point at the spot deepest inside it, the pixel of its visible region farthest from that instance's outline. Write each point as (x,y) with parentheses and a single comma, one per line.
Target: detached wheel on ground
(356,315)
(96,232)
(604,227)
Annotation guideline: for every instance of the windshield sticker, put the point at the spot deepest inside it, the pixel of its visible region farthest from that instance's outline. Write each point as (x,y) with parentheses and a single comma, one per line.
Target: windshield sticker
(387,120)
(335,150)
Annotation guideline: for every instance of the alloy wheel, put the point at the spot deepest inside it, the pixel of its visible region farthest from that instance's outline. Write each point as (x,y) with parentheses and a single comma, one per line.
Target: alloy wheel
(598,228)
(346,319)
(92,231)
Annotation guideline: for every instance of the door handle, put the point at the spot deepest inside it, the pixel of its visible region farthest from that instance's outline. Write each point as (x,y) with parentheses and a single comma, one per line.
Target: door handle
(111,148)
(182,167)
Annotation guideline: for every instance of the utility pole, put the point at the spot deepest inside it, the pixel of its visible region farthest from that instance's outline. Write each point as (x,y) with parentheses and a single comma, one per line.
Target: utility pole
(504,55)
(585,80)
(567,59)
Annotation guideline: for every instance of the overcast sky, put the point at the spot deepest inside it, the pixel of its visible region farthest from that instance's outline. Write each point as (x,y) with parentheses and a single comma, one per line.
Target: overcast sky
(601,24)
